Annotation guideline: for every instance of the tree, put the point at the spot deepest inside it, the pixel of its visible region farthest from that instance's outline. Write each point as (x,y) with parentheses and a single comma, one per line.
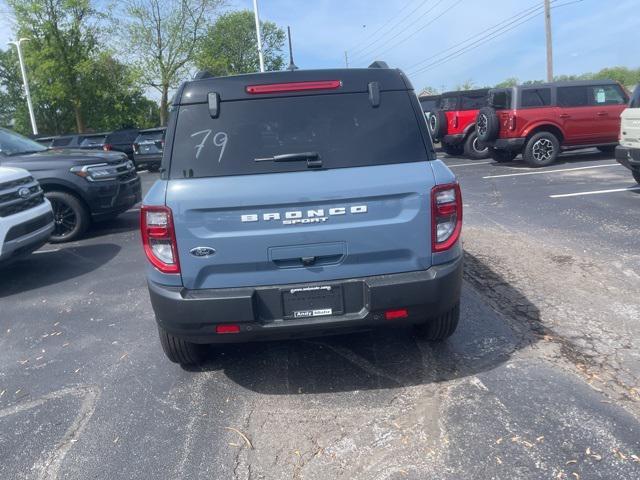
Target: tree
(466,85)
(161,37)
(509,82)
(62,37)
(230,45)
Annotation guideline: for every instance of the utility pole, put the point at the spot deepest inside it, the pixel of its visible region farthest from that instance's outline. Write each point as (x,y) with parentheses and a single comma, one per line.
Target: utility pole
(292,65)
(257,15)
(346,59)
(547,20)
(25,82)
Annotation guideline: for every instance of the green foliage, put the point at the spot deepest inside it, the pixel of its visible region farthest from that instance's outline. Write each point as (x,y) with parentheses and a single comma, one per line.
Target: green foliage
(230,45)
(160,37)
(466,85)
(76,84)
(626,76)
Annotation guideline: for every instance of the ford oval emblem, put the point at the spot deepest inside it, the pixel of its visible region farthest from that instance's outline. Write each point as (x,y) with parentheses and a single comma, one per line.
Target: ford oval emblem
(24,192)
(202,251)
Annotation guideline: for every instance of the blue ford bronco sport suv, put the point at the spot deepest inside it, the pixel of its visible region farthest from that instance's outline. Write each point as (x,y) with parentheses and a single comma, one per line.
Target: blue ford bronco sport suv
(300,203)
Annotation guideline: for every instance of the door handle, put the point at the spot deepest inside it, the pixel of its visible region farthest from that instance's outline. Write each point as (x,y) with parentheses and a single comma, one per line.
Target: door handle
(602,114)
(565,115)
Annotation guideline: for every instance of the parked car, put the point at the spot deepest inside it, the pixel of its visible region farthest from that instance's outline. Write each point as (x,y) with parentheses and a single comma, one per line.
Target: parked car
(300,203)
(121,141)
(540,121)
(148,147)
(26,220)
(45,141)
(82,185)
(628,152)
(453,123)
(429,104)
(83,141)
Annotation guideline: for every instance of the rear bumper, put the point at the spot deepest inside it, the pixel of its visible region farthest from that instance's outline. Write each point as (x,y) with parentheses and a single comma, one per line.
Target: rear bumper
(456,139)
(193,315)
(629,157)
(145,160)
(510,144)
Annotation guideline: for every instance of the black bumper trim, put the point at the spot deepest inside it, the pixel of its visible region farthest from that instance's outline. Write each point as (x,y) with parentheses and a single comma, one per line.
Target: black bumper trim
(456,139)
(510,144)
(629,157)
(193,314)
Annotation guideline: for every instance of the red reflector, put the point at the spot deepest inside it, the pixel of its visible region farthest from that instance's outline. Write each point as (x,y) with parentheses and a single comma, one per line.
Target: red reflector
(227,329)
(395,314)
(293,87)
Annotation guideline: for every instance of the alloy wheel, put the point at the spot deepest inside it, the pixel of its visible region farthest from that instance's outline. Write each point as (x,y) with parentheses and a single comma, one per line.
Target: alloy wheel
(481,125)
(543,150)
(65,219)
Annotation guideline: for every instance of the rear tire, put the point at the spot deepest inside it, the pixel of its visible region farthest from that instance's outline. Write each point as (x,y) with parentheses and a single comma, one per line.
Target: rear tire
(542,149)
(472,148)
(487,124)
(636,175)
(180,351)
(440,328)
(71,217)
(437,124)
(502,156)
(453,150)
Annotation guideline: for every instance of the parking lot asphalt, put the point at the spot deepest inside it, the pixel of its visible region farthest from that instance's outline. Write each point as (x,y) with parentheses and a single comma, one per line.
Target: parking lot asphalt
(85,391)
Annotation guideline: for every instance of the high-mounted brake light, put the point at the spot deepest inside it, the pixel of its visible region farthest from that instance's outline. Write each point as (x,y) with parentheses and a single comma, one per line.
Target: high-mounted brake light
(293,87)
(446,213)
(396,314)
(159,238)
(226,329)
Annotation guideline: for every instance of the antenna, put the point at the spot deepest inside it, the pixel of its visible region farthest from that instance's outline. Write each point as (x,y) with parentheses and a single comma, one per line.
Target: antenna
(292,66)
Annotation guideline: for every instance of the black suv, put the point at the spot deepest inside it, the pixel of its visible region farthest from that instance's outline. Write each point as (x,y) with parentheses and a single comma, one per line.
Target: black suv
(121,141)
(82,185)
(84,141)
(147,149)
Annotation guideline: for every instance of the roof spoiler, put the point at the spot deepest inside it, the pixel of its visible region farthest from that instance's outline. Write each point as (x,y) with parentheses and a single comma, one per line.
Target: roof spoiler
(203,74)
(379,64)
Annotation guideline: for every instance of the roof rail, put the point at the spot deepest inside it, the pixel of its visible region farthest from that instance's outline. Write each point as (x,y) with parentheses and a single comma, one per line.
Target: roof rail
(379,64)
(203,74)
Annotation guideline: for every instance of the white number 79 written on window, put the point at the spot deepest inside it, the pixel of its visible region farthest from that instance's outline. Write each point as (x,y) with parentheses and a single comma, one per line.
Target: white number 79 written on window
(219,140)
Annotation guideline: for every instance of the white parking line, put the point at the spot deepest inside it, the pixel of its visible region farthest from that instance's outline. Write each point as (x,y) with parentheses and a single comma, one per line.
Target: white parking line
(595,192)
(468,164)
(541,172)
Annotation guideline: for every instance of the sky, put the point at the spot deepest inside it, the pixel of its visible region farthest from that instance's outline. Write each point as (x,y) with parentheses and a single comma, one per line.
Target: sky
(588,35)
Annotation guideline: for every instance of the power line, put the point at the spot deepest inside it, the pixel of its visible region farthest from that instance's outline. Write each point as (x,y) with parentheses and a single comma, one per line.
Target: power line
(437,17)
(486,33)
(358,51)
(482,41)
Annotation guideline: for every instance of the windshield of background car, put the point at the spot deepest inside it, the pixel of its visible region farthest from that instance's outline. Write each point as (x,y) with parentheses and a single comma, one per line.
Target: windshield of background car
(14,144)
(448,103)
(344,129)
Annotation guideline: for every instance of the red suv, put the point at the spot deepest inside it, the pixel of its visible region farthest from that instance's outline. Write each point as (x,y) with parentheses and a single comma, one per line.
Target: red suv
(539,121)
(453,122)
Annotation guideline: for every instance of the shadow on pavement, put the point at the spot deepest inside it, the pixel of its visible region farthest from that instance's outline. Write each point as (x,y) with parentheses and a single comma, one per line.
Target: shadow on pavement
(381,358)
(126,222)
(50,266)
(566,158)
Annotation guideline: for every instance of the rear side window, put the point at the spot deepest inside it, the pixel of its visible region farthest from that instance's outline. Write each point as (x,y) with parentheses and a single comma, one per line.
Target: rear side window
(473,102)
(536,97)
(344,129)
(61,142)
(500,99)
(573,97)
(607,95)
(448,103)
(635,100)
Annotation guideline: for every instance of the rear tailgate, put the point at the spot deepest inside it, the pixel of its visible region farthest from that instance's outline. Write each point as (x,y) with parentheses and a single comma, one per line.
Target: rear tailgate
(365,212)
(303,226)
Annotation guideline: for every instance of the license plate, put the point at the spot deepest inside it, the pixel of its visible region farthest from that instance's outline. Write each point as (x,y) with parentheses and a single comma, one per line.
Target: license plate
(310,302)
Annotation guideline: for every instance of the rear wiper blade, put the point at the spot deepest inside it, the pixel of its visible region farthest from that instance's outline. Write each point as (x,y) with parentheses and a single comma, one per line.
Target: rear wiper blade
(312,158)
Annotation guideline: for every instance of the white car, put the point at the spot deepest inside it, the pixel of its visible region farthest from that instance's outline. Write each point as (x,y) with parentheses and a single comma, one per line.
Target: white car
(26,218)
(628,153)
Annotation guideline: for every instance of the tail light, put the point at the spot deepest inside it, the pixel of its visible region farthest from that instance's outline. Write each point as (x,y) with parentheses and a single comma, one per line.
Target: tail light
(135,148)
(512,122)
(159,238)
(446,222)
(107,147)
(455,121)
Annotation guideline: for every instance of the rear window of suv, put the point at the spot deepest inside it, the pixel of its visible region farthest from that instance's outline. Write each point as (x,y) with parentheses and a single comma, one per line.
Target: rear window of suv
(536,97)
(344,129)
(473,102)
